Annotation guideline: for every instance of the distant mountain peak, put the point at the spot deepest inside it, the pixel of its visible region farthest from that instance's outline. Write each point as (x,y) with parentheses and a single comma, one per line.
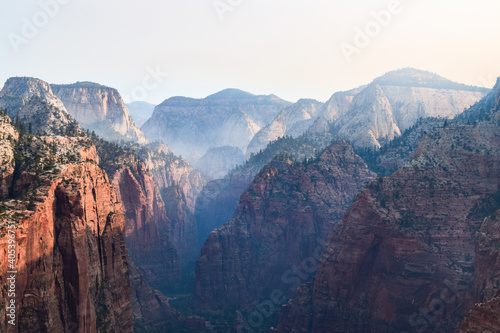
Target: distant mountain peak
(231,93)
(413,77)
(82,84)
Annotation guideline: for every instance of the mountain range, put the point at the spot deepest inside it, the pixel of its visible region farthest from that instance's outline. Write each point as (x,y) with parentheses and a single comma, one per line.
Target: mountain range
(376,211)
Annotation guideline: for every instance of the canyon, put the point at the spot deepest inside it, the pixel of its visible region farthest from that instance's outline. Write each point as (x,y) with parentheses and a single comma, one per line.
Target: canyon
(375,211)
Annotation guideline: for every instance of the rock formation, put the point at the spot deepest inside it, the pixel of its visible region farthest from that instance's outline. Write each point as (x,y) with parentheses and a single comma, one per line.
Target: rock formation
(228,118)
(293,121)
(100,109)
(395,101)
(150,248)
(182,229)
(216,204)
(402,259)
(32,102)
(170,170)
(281,223)
(71,260)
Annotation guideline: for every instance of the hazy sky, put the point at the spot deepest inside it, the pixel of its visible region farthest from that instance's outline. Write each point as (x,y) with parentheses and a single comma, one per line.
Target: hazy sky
(291,48)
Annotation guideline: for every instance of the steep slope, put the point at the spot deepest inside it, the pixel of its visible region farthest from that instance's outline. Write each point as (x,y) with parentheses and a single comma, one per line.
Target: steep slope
(149,246)
(140,112)
(72,273)
(83,283)
(191,127)
(170,170)
(100,109)
(293,121)
(395,101)
(161,233)
(32,102)
(281,222)
(402,259)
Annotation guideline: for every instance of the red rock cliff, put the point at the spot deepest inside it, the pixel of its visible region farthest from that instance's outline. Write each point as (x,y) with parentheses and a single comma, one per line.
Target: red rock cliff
(145,217)
(71,256)
(402,259)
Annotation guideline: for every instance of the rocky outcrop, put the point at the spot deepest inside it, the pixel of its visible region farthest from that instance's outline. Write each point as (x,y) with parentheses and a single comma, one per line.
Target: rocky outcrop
(402,259)
(32,102)
(281,223)
(228,118)
(71,260)
(100,109)
(483,318)
(293,121)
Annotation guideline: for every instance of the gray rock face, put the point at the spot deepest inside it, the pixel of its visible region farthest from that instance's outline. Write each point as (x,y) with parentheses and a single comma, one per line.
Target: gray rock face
(33,103)
(100,109)
(191,127)
(293,121)
(395,101)
(338,105)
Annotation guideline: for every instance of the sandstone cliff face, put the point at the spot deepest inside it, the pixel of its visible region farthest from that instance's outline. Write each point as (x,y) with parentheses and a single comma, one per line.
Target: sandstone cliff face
(402,259)
(228,118)
(100,109)
(169,170)
(71,256)
(281,222)
(161,233)
(145,217)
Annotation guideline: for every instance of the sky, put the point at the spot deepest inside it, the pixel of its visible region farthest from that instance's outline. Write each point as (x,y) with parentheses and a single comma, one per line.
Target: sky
(154,49)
